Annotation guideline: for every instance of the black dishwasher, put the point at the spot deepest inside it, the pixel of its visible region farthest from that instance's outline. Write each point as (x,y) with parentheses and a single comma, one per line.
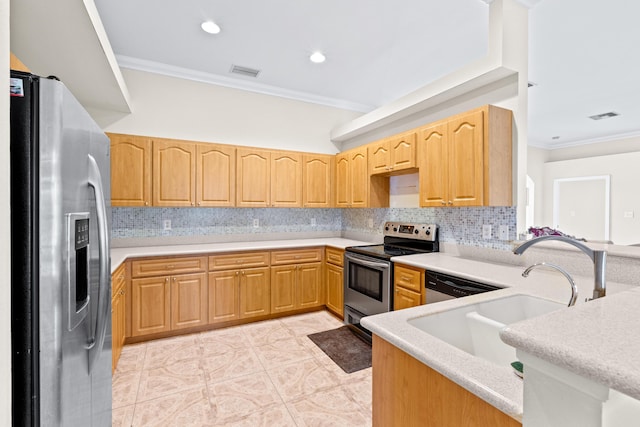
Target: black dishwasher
(441,287)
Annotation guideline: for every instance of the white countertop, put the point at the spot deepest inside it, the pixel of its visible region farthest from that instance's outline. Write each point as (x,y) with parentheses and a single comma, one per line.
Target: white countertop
(598,340)
(119,255)
(497,385)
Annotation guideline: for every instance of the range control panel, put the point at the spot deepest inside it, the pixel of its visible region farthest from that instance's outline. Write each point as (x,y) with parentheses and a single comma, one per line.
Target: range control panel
(428,232)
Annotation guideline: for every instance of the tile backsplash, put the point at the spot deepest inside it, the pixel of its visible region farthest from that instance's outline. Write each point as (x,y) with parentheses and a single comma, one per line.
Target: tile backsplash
(462,226)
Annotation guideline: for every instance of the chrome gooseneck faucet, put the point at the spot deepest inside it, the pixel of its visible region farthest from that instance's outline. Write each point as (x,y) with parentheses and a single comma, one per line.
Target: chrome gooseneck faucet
(599,259)
(574,288)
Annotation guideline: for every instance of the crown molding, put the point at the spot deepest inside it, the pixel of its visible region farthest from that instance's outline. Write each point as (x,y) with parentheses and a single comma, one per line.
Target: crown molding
(215,79)
(615,137)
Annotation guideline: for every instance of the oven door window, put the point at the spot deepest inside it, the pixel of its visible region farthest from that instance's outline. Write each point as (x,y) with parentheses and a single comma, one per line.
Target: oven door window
(366,280)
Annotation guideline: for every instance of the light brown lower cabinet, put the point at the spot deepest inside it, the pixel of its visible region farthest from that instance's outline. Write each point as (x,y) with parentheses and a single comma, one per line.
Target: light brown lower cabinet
(239,294)
(118,307)
(296,286)
(408,284)
(224,296)
(165,303)
(255,295)
(335,290)
(407,393)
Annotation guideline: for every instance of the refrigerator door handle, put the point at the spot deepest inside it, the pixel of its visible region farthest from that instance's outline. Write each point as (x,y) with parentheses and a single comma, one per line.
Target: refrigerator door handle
(96,341)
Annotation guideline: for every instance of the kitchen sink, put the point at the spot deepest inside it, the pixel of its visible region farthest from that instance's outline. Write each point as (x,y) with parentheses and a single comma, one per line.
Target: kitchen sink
(475,328)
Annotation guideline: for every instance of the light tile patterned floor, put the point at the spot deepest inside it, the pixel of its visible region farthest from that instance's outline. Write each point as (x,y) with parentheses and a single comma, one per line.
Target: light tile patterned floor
(261,374)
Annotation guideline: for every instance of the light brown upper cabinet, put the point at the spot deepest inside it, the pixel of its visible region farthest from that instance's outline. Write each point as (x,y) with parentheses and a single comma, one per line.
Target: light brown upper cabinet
(466,160)
(130,170)
(286,179)
(396,154)
(317,180)
(216,175)
(174,173)
(253,183)
(352,178)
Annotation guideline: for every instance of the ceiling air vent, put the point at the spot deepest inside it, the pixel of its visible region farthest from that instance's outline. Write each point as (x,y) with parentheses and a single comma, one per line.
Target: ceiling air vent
(244,71)
(604,115)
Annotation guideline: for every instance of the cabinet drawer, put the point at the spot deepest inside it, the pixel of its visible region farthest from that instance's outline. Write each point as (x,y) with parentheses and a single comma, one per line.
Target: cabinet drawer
(296,256)
(164,266)
(238,260)
(408,278)
(334,256)
(118,280)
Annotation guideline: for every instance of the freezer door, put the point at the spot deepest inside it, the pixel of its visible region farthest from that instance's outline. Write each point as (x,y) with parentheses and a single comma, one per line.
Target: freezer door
(75,297)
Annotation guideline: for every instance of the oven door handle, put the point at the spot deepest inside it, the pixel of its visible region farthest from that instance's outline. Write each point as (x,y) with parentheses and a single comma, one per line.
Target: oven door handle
(379,265)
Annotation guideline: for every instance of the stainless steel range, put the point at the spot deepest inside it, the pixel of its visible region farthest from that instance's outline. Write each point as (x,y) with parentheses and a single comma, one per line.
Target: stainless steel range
(368,272)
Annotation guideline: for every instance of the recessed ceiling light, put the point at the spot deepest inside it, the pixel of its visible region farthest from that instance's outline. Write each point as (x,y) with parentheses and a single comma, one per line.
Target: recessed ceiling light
(210,27)
(317,57)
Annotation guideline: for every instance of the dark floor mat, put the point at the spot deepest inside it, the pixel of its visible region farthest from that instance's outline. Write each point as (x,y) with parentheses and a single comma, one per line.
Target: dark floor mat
(345,348)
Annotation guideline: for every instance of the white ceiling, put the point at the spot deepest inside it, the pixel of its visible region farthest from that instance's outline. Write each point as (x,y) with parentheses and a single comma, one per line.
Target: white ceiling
(583,53)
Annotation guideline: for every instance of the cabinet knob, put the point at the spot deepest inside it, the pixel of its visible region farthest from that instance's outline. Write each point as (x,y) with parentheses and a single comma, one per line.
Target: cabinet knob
(191,203)
(450,202)
(237,273)
(166,280)
(174,279)
(199,203)
(121,291)
(442,202)
(146,203)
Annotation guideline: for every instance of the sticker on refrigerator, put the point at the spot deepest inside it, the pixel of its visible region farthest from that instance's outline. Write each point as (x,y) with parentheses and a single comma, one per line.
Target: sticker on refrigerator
(16,88)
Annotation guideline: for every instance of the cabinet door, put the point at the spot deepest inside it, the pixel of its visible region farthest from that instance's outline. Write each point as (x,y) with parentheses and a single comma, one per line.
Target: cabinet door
(130,170)
(434,166)
(255,299)
(216,175)
(224,293)
(309,286)
(174,173)
(379,157)
(283,289)
(343,181)
(405,298)
(188,300)
(466,163)
(359,178)
(118,327)
(335,289)
(286,180)
(317,181)
(402,149)
(151,306)
(253,178)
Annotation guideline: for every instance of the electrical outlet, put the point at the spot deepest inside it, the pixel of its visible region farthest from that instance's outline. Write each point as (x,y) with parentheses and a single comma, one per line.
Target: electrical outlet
(503,232)
(486,231)
(166,224)
(313,222)
(256,223)
(628,214)
(370,222)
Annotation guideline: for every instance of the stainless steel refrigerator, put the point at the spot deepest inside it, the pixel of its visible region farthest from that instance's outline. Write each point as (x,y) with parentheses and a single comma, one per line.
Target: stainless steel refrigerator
(60,262)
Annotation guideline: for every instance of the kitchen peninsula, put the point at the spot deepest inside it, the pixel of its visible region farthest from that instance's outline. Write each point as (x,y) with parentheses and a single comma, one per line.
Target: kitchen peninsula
(493,384)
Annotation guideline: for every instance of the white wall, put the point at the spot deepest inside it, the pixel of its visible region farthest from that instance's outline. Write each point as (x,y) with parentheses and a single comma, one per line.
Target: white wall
(177,108)
(5,251)
(625,176)
(536,158)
